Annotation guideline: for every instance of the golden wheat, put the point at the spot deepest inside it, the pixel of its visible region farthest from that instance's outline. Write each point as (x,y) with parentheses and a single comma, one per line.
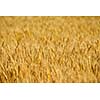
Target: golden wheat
(49,49)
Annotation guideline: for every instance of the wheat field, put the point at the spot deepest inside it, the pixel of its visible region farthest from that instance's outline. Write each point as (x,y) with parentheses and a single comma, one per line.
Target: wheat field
(49,49)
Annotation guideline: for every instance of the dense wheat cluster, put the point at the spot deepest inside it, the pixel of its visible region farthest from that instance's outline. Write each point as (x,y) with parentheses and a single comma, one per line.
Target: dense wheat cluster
(49,49)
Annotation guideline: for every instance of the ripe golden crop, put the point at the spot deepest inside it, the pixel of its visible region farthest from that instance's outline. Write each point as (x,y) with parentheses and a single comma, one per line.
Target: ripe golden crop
(49,49)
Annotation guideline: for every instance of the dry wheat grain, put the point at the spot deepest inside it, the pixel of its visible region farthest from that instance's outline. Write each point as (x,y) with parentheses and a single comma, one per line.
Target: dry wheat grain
(49,49)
